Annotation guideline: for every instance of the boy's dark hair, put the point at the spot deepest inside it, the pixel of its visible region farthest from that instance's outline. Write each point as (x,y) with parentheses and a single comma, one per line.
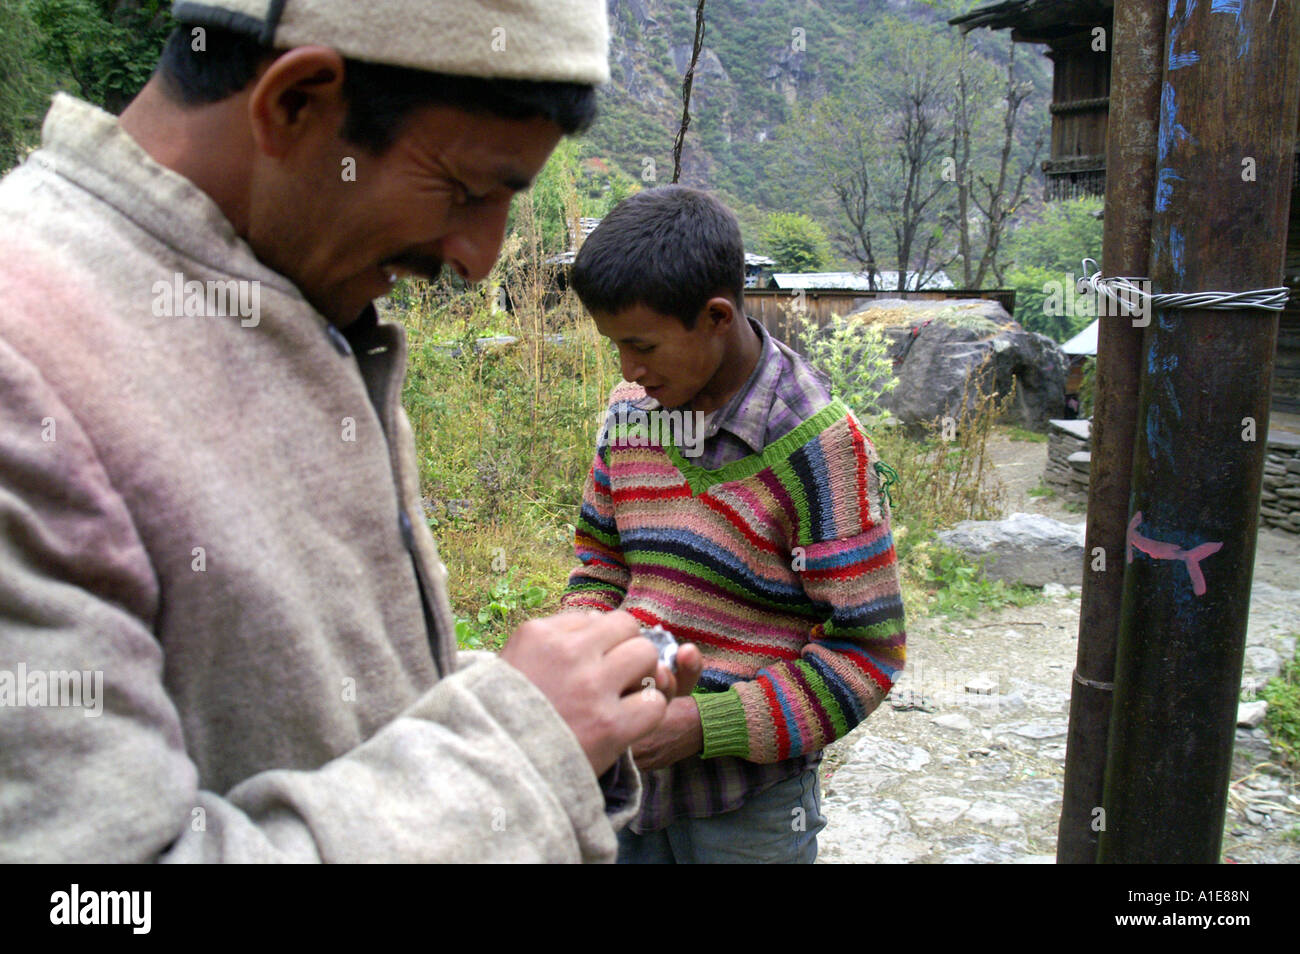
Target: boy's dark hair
(669,249)
(380,97)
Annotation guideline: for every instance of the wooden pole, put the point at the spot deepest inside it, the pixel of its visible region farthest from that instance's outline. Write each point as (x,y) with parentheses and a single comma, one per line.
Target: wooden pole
(1223,184)
(1137,45)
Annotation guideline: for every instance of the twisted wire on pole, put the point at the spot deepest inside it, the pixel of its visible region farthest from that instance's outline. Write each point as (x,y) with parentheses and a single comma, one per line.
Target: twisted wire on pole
(1269,299)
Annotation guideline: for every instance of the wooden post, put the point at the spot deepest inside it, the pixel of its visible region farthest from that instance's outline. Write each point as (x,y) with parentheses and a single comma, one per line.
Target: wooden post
(1223,183)
(1136,48)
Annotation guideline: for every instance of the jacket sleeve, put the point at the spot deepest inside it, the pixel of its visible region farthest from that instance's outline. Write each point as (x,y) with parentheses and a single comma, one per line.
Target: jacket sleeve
(600,582)
(478,768)
(848,569)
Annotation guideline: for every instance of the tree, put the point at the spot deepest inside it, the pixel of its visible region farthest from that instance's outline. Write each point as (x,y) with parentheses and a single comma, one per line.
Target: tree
(553,195)
(573,184)
(24,84)
(797,242)
(107,48)
(1045,257)
(995,198)
(920,153)
(878,144)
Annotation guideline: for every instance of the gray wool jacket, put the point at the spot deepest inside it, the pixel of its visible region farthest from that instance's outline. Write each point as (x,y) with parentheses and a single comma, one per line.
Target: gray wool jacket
(224,625)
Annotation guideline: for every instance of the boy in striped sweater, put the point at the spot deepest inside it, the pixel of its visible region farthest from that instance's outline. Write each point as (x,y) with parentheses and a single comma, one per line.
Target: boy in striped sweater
(764,540)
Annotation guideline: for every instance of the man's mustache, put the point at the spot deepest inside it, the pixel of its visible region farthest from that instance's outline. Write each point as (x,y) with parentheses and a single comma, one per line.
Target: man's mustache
(427,267)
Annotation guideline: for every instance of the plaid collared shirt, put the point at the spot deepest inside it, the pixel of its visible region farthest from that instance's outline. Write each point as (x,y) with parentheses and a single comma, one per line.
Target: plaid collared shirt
(783,392)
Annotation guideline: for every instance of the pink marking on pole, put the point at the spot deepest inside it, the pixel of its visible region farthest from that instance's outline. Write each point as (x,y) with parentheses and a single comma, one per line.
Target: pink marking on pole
(1160,550)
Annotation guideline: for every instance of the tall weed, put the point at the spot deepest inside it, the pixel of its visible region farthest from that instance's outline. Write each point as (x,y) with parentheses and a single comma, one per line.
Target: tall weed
(944,473)
(505,430)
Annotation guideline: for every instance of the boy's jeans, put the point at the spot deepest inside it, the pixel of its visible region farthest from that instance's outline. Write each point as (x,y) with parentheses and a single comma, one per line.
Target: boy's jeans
(764,830)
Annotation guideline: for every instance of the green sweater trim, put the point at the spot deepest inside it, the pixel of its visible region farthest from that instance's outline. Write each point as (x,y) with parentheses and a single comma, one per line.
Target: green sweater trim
(722,716)
(885,629)
(779,450)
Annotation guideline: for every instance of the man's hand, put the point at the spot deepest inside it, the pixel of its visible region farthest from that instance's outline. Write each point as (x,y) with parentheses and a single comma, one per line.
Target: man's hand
(680,735)
(602,677)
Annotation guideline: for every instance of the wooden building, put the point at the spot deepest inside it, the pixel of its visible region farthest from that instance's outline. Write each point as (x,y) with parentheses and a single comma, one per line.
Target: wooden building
(1079,41)
(1080,82)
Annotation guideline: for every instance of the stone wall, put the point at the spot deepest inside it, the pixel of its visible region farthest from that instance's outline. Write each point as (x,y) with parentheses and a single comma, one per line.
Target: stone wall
(1068,458)
(1280,501)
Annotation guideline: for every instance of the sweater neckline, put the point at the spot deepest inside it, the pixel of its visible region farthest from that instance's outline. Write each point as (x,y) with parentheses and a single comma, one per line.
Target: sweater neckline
(699,479)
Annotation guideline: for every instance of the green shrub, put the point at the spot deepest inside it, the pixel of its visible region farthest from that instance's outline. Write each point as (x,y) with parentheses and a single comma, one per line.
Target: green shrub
(508,605)
(1283,717)
(959,589)
(855,359)
(1088,389)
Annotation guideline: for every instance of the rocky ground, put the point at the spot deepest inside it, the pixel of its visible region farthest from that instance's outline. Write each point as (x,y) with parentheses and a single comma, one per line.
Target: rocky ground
(964,763)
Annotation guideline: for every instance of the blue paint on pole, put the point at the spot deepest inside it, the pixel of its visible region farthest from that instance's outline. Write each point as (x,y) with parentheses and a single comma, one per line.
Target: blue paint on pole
(1153,442)
(1176,250)
(1171,131)
(1173,398)
(1176,61)
(1157,434)
(1169,134)
(1243,30)
(1165,179)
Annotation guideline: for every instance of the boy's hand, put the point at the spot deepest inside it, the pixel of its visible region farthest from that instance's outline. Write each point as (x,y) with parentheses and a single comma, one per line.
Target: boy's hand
(680,735)
(593,668)
(690,666)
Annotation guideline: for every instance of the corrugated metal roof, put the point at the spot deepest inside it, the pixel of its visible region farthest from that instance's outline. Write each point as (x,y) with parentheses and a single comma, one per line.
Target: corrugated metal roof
(854,281)
(1085,342)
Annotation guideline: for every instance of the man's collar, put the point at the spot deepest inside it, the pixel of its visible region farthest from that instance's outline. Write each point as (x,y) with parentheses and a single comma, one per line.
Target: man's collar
(362,331)
(89,148)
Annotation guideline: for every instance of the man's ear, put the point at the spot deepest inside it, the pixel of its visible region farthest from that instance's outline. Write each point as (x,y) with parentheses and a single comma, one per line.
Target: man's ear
(298,97)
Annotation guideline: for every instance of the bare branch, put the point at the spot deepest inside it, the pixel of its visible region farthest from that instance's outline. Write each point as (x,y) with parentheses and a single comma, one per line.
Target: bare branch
(687,82)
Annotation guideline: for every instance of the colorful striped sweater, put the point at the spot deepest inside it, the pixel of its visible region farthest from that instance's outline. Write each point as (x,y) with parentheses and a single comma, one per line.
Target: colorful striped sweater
(779,566)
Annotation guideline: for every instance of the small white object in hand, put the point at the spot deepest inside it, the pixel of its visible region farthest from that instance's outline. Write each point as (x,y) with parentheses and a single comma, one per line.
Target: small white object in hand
(664,642)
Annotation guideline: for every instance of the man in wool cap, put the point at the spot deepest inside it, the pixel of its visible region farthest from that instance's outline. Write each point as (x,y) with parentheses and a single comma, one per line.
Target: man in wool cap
(208,488)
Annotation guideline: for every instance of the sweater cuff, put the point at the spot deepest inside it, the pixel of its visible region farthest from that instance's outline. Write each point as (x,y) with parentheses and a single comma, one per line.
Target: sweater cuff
(546,740)
(601,598)
(722,716)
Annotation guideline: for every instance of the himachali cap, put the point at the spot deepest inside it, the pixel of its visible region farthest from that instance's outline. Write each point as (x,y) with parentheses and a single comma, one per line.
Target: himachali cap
(557,40)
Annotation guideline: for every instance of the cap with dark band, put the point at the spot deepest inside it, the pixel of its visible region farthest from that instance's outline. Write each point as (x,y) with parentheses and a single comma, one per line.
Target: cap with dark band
(563,41)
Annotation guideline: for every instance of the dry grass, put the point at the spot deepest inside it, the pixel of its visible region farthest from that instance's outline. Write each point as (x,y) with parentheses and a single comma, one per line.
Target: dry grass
(505,434)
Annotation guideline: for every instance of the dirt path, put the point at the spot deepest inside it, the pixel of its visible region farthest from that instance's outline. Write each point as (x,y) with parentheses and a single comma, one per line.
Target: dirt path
(964,763)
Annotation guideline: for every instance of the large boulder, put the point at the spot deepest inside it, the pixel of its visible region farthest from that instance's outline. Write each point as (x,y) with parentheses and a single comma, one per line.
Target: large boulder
(938,346)
(1024,548)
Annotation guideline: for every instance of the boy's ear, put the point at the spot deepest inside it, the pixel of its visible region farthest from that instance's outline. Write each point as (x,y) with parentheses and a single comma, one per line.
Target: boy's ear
(722,312)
